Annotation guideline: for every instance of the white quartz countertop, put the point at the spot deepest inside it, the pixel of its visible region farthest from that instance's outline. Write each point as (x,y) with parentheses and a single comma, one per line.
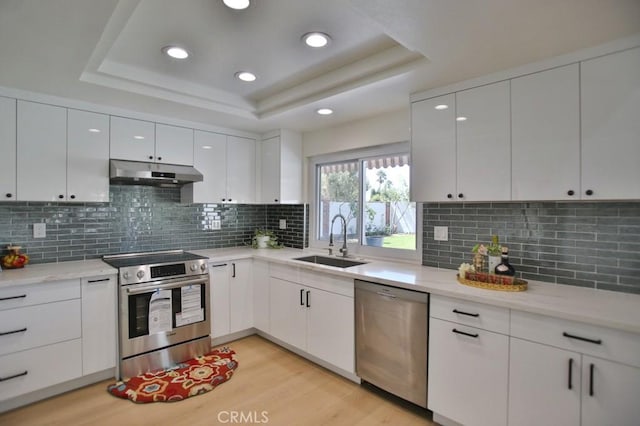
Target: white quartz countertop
(599,307)
(45,272)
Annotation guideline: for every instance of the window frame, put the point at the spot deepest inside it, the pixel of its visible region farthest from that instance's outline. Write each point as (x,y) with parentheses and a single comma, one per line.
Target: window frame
(360,249)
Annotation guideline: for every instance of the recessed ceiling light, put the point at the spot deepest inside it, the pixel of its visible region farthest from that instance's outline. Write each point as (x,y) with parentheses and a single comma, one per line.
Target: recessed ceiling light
(461,118)
(207,147)
(92,130)
(237,4)
(246,76)
(176,52)
(441,107)
(316,39)
(324,111)
(138,137)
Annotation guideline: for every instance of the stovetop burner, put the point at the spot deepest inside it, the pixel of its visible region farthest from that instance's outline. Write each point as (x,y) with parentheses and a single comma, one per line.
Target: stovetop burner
(150,258)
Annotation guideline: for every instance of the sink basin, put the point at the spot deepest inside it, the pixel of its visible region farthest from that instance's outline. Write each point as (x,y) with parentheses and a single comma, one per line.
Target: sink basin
(330,261)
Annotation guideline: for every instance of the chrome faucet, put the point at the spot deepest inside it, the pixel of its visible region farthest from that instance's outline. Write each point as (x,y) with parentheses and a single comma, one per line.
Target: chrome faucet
(344,249)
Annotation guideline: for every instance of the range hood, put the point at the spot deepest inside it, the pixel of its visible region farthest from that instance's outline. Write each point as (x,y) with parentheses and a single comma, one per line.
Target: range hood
(141,173)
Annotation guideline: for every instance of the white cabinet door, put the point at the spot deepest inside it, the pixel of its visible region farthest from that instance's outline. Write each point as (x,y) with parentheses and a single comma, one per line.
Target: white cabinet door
(271,168)
(610,101)
(8,149)
(545,139)
(288,320)
(210,159)
(99,318)
(610,393)
(484,143)
(241,170)
(261,295)
(542,376)
(174,145)
(433,149)
(219,299)
(330,328)
(132,140)
(241,295)
(42,152)
(468,374)
(87,156)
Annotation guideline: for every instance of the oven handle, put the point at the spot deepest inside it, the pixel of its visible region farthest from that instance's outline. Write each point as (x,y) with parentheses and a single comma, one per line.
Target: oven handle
(177,284)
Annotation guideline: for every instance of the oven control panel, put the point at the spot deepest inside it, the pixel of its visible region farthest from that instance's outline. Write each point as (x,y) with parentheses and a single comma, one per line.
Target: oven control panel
(144,273)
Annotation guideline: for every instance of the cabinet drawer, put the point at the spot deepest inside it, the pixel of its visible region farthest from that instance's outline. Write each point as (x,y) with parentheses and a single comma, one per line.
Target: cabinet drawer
(28,295)
(615,345)
(39,325)
(486,317)
(44,366)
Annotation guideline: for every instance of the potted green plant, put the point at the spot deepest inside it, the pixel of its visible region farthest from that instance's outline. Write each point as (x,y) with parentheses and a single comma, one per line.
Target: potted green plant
(374,235)
(263,238)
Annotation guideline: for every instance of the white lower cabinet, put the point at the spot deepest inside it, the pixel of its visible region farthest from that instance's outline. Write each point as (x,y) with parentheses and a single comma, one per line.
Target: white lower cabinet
(468,373)
(581,374)
(231,296)
(544,385)
(99,319)
(261,309)
(316,321)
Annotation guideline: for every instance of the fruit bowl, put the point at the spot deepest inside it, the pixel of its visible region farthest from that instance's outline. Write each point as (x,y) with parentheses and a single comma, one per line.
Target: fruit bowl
(15,259)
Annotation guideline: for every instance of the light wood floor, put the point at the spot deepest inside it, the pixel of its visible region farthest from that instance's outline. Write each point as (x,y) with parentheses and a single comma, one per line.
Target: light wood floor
(289,389)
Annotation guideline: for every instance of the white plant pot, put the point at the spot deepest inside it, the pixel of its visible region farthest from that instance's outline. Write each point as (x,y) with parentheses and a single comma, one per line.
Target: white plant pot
(263,241)
(493,262)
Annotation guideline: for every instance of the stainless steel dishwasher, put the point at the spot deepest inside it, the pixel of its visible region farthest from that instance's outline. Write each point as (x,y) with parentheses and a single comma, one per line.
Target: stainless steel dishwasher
(392,339)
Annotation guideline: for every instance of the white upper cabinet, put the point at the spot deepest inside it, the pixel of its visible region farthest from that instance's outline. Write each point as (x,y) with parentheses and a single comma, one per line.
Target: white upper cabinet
(281,168)
(132,139)
(87,156)
(210,159)
(433,149)
(228,166)
(42,152)
(610,101)
(8,149)
(483,136)
(241,170)
(545,138)
(174,145)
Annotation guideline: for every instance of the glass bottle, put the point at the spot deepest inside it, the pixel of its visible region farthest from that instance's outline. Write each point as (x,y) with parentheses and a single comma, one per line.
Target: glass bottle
(504,267)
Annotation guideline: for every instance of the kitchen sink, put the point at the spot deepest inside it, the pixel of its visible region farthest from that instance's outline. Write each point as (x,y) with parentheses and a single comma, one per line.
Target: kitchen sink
(330,261)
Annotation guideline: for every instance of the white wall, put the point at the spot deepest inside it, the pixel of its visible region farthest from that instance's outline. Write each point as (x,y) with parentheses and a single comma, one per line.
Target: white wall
(379,130)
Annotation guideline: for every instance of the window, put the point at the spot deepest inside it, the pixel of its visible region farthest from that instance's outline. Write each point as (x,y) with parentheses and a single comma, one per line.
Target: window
(366,194)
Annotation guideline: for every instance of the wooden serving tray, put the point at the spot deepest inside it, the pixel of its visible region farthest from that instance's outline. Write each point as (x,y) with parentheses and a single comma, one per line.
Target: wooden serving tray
(516,285)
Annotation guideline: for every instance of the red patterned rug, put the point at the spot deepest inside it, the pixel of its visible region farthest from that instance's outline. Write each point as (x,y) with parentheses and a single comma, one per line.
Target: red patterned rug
(193,377)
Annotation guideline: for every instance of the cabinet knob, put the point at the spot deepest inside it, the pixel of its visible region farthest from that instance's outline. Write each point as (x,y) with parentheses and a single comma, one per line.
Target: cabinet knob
(449,196)
(224,199)
(230,200)
(570,192)
(8,195)
(461,195)
(159,158)
(73,197)
(589,192)
(275,199)
(151,157)
(61,196)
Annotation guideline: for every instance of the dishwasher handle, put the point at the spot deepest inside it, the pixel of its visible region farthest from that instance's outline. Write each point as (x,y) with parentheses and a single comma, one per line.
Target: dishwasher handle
(389,295)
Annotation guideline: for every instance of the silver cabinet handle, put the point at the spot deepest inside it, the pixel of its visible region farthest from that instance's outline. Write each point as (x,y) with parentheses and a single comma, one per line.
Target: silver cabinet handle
(391,296)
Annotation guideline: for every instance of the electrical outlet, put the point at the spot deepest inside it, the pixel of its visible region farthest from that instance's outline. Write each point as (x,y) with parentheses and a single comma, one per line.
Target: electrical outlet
(39,230)
(283,223)
(441,233)
(215,224)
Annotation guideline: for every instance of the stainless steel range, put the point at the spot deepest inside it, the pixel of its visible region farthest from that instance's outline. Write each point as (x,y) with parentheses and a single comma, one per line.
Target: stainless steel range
(164,314)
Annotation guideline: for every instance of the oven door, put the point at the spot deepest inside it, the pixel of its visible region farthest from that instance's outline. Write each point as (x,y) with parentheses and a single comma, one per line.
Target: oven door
(163,313)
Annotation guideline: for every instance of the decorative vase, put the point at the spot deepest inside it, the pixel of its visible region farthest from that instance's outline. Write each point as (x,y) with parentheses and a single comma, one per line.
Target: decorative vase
(493,262)
(263,241)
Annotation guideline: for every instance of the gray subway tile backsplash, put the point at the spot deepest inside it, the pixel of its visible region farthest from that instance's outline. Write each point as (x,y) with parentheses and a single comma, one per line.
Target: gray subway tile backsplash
(587,244)
(141,218)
